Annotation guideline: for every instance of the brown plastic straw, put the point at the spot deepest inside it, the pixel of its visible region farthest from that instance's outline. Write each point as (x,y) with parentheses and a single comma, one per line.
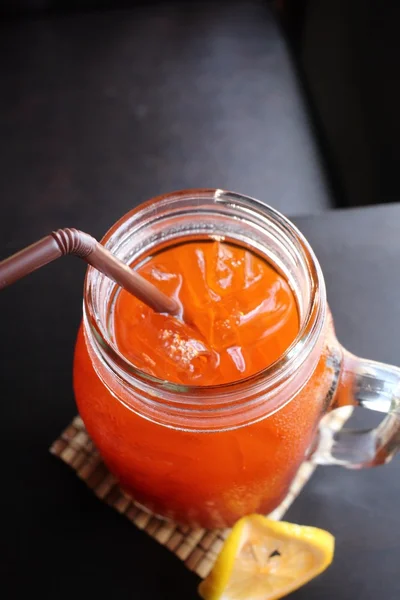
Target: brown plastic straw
(83,245)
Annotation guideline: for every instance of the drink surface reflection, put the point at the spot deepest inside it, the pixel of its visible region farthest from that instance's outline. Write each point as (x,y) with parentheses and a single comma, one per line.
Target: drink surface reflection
(238,315)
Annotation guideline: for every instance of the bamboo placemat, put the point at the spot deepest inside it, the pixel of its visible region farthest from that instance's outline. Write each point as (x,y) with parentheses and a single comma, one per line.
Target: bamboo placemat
(197,548)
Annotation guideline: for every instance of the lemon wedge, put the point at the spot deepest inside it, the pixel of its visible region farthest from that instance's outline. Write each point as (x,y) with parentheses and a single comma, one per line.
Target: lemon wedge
(265,560)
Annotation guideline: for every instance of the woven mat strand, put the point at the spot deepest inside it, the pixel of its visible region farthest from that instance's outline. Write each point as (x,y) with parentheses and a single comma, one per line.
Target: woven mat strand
(197,548)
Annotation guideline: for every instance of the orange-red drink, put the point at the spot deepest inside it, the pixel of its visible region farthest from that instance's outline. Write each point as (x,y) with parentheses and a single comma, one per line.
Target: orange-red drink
(205,416)
(237,315)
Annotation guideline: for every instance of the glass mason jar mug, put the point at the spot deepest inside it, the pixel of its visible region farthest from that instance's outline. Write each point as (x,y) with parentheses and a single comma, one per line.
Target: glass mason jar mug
(205,456)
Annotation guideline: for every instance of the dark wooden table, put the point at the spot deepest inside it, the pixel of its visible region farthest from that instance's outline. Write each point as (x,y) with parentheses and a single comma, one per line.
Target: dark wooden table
(59,541)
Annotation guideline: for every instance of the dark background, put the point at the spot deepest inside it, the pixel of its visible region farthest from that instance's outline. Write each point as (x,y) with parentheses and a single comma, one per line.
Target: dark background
(346,54)
(293,103)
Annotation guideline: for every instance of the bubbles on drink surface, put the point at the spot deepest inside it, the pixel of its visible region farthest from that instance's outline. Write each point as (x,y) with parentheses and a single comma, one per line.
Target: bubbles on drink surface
(238,315)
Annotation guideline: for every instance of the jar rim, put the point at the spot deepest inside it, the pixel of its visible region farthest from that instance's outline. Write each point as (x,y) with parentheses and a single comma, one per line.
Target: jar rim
(293,357)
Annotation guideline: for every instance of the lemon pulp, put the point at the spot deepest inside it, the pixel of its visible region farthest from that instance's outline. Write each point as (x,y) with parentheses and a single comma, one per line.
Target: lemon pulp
(265,560)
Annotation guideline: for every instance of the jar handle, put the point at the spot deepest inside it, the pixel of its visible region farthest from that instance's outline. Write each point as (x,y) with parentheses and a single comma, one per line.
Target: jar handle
(374,386)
